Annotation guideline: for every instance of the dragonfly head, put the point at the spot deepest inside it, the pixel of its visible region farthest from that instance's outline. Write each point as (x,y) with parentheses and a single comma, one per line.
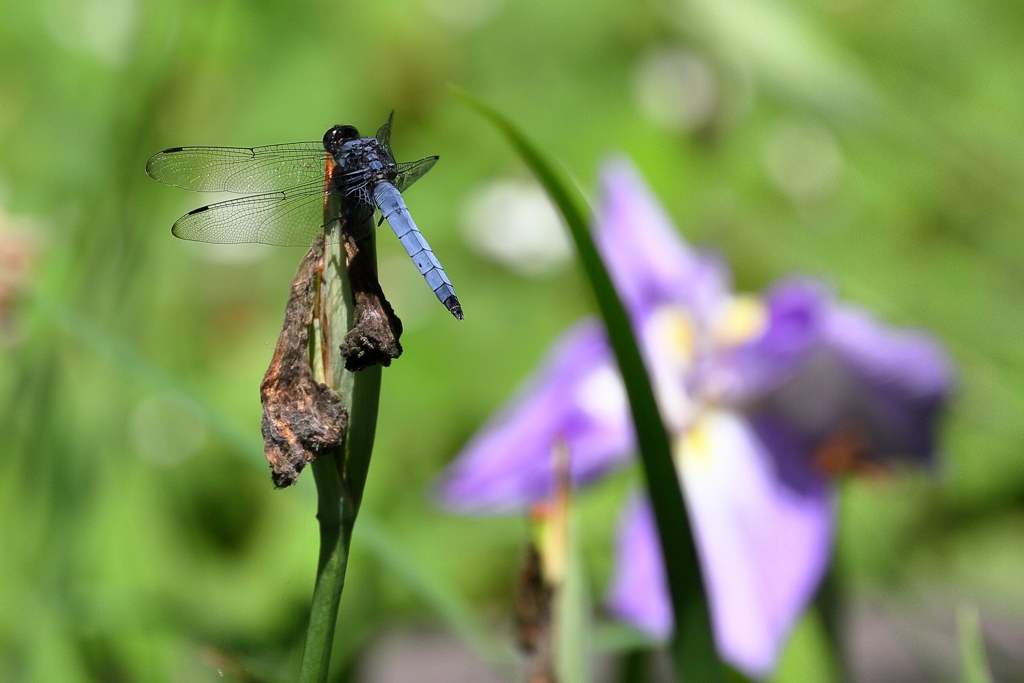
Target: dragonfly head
(337,136)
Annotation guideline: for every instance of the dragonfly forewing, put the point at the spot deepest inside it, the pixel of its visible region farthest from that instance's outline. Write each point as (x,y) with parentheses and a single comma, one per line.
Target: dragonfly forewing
(244,170)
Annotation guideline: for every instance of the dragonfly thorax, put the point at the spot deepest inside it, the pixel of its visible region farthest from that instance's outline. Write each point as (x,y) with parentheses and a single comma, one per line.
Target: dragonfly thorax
(361,163)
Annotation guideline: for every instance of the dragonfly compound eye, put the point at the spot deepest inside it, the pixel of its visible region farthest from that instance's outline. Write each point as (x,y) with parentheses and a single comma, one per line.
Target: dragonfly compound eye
(338,135)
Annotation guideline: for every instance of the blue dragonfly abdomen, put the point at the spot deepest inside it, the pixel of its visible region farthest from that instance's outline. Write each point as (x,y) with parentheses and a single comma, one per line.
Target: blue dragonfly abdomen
(389,200)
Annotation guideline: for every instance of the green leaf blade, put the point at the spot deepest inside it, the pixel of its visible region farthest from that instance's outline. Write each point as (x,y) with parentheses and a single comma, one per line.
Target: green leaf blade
(693,646)
(974,663)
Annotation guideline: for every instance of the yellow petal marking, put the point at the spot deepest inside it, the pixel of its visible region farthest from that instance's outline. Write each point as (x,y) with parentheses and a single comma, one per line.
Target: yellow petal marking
(693,447)
(675,330)
(744,319)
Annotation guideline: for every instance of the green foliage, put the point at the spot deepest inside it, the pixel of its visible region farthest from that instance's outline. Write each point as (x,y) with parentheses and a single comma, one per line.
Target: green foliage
(974,663)
(140,539)
(808,657)
(573,614)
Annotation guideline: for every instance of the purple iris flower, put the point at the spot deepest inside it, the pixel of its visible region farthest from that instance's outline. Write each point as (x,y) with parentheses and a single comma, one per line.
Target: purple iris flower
(766,398)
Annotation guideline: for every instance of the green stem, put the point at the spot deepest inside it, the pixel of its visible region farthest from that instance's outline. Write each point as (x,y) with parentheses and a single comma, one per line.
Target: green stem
(330,574)
(339,493)
(341,474)
(633,666)
(829,603)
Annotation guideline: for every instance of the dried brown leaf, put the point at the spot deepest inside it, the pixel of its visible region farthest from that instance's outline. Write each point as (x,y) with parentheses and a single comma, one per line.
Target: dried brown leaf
(302,418)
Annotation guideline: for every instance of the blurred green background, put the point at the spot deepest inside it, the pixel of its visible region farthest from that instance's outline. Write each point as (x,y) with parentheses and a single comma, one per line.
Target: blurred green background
(876,144)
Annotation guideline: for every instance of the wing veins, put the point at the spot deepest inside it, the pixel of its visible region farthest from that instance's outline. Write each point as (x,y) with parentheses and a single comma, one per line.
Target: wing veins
(284,218)
(239,169)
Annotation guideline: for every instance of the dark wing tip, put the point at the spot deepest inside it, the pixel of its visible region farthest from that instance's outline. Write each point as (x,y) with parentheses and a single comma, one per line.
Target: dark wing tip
(172,150)
(199,210)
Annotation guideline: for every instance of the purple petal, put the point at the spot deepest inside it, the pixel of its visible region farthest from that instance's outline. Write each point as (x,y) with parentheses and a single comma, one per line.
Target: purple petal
(638,592)
(796,317)
(576,398)
(841,371)
(763,545)
(648,260)
(905,377)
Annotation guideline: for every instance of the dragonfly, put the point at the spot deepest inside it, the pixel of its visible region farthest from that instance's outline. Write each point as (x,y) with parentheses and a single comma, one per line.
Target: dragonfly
(288,186)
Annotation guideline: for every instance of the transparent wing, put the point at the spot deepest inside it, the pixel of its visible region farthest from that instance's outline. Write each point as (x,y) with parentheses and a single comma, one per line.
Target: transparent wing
(288,218)
(384,137)
(384,132)
(411,171)
(240,169)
